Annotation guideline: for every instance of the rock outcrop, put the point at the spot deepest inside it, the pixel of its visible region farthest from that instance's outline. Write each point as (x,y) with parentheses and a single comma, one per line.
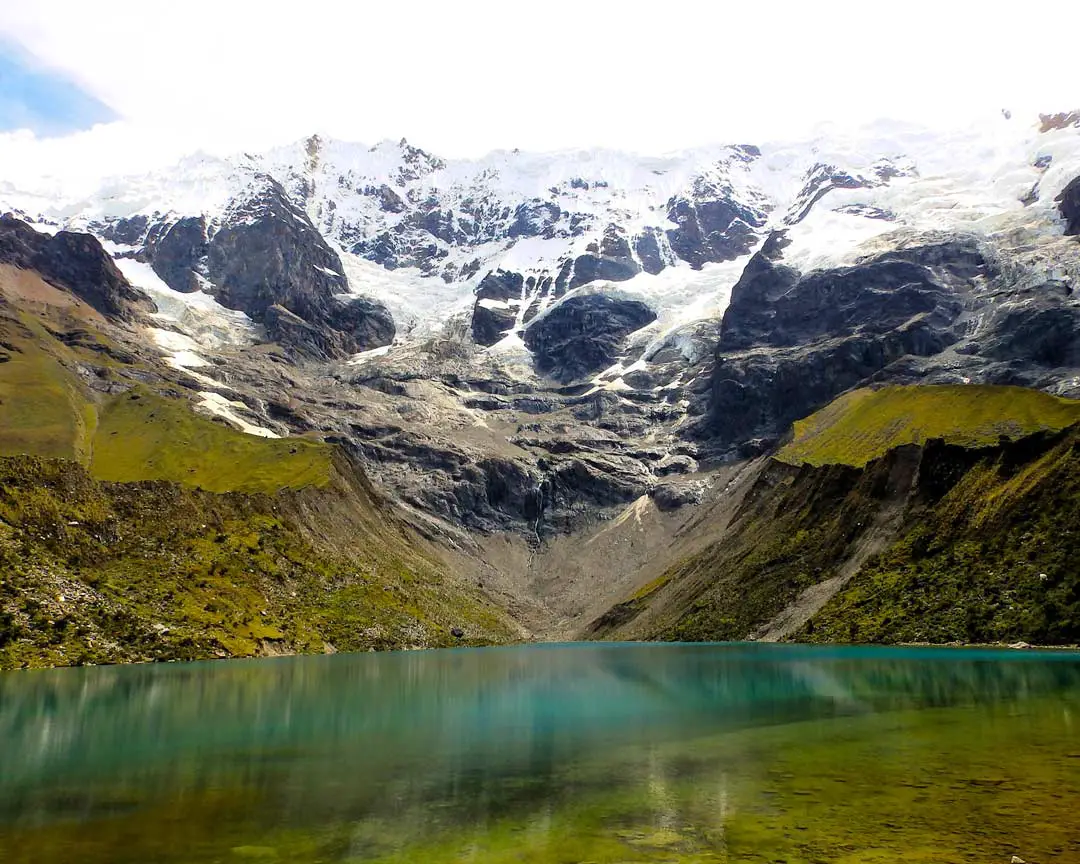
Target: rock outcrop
(1069,205)
(584,334)
(497,299)
(611,261)
(178,253)
(790,343)
(76,262)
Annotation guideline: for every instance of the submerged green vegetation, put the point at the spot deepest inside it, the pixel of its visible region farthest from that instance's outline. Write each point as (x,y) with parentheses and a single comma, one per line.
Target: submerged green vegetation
(549,755)
(865,424)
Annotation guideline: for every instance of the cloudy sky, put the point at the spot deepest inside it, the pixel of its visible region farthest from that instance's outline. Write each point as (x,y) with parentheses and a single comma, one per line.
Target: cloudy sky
(116,86)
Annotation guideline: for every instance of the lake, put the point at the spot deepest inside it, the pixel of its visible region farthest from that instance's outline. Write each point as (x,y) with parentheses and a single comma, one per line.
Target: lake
(548,754)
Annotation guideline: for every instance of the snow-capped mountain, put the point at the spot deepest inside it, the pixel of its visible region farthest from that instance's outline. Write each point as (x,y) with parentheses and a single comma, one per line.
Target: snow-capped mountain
(527,340)
(503,238)
(574,217)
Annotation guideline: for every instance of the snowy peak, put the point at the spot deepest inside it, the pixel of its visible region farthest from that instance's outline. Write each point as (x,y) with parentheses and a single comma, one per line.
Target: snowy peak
(420,233)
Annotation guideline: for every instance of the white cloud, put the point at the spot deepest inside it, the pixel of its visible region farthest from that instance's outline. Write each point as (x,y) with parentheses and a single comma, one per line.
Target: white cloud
(465,77)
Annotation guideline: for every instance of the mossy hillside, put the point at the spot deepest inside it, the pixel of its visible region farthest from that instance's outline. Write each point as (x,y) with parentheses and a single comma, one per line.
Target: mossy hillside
(99,572)
(865,424)
(297,556)
(43,408)
(140,434)
(144,436)
(973,544)
(994,561)
(795,528)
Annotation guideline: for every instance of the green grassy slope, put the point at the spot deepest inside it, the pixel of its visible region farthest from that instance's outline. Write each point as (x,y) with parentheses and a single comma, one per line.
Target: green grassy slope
(204,541)
(143,436)
(865,424)
(43,409)
(137,435)
(950,542)
(95,572)
(996,560)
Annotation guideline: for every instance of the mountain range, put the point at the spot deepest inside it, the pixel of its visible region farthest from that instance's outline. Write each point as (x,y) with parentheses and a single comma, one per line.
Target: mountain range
(704,395)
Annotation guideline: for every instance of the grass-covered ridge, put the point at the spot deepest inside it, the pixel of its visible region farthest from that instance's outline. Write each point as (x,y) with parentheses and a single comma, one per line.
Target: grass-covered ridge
(995,560)
(134,528)
(144,436)
(94,572)
(47,409)
(865,424)
(964,530)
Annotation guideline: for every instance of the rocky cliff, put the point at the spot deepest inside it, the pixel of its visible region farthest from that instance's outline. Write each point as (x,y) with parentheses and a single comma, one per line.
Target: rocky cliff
(73,261)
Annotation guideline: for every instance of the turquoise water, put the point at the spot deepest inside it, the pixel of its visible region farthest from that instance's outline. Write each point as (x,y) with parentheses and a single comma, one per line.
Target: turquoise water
(576,753)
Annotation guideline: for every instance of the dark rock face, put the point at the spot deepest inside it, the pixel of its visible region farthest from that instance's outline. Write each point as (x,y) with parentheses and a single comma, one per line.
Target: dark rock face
(127,232)
(535,218)
(299,337)
(76,262)
(584,334)
(761,395)
(1069,206)
(269,253)
(613,262)
(351,323)
(489,321)
(269,256)
(178,253)
(382,249)
(1044,330)
(874,298)
(819,182)
(647,247)
(389,200)
(364,322)
(789,344)
(712,226)
(439,223)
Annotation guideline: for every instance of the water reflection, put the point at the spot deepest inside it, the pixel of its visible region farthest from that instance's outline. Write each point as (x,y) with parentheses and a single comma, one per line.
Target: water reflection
(370,752)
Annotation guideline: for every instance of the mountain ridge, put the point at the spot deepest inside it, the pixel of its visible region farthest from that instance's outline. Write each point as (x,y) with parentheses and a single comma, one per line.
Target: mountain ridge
(595,383)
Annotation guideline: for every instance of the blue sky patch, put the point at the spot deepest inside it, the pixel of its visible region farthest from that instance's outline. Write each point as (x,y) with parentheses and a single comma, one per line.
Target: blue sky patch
(43,100)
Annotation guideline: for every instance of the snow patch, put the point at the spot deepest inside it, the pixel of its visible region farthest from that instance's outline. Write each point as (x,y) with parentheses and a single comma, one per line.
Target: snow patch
(420,305)
(206,322)
(216,404)
(364,356)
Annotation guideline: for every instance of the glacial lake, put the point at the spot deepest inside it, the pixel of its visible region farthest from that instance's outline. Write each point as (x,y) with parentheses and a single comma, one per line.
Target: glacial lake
(548,754)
